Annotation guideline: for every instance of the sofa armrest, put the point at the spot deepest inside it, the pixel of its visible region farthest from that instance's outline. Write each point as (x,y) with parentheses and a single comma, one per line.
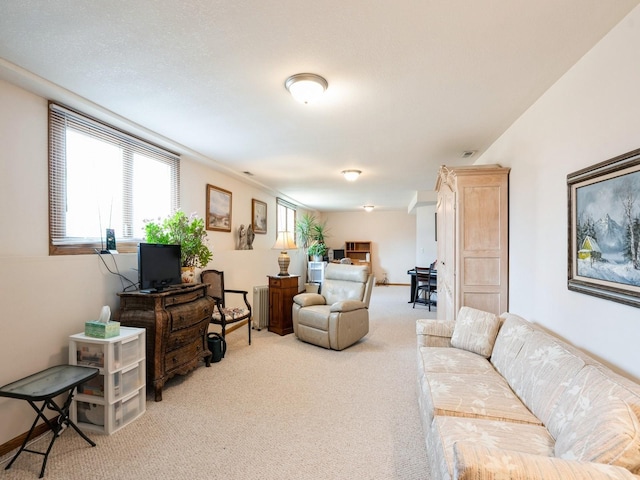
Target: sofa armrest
(347,306)
(308,299)
(475,462)
(434,333)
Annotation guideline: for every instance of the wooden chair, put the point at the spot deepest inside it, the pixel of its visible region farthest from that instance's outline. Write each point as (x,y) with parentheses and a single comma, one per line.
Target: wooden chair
(223,315)
(426,284)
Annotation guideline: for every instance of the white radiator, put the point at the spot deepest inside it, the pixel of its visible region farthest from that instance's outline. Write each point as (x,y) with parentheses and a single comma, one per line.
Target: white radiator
(260,307)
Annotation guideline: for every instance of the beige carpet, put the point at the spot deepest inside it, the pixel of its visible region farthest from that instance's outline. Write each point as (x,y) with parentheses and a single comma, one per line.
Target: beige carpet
(278,409)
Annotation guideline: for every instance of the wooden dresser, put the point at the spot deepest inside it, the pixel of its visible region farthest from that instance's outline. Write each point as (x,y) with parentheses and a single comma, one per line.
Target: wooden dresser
(281,293)
(176,323)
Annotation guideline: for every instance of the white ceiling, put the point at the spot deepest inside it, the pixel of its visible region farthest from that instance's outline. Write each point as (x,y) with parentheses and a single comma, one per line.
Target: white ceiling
(412,84)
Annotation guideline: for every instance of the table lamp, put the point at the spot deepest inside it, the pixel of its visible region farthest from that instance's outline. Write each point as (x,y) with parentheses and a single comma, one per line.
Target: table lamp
(284,242)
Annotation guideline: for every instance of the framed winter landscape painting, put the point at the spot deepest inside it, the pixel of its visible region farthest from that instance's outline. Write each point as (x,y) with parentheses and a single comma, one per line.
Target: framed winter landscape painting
(604,229)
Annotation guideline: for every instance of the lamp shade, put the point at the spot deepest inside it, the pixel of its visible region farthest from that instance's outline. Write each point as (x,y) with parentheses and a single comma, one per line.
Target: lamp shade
(284,242)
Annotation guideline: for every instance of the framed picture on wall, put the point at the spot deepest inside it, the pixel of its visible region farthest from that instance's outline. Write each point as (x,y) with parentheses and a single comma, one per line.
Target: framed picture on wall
(604,229)
(218,209)
(259,216)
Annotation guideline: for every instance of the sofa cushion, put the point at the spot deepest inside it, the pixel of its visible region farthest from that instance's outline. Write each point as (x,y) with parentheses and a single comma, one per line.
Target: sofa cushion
(485,395)
(338,290)
(473,461)
(344,282)
(595,424)
(452,360)
(315,316)
(434,333)
(475,331)
(446,432)
(514,332)
(437,328)
(542,371)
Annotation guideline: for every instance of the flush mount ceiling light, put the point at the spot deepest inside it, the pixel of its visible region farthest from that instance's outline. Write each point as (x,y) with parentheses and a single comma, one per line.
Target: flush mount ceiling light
(306,87)
(351,175)
(368,208)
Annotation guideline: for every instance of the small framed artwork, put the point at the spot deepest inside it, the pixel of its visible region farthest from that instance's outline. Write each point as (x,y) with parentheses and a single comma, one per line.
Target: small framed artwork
(218,209)
(604,229)
(259,216)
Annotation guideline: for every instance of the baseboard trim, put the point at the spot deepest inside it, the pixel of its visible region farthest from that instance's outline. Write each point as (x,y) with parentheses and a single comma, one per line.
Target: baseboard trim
(16,442)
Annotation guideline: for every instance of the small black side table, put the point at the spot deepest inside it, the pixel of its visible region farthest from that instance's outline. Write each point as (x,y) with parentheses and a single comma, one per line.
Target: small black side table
(43,387)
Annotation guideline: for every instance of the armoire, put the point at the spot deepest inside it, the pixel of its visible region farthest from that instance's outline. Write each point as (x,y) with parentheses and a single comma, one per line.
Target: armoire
(472,239)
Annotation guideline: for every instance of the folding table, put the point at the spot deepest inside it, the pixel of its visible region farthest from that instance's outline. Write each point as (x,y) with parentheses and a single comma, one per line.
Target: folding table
(43,387)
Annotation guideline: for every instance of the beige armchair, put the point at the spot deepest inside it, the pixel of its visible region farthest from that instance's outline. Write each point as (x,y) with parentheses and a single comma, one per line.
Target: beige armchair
(337,317)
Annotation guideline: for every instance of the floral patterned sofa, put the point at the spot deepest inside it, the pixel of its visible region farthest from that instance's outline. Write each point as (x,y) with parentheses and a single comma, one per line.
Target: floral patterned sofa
(502,399)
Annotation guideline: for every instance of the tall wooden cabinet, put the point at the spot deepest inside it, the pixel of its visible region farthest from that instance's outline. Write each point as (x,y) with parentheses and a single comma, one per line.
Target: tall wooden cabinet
(473,239)
(281,293)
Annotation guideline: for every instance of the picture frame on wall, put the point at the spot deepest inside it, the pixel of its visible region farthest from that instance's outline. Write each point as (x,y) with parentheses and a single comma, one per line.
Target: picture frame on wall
(604,229)
(219,203)
(258,216)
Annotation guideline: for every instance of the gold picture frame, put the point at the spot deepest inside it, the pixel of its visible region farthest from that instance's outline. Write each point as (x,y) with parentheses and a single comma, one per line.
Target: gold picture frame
(258,216)
(219,203)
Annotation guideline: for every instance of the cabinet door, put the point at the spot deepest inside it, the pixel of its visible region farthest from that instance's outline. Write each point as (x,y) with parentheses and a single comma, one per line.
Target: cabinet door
(482,210)
(446,253)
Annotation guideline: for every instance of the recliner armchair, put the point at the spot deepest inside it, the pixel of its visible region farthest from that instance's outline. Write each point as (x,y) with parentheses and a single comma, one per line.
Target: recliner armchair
(338,317)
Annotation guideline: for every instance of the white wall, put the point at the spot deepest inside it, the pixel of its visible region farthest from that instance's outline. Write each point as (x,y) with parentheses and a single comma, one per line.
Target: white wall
(426,245)
(393,234)
(590,115)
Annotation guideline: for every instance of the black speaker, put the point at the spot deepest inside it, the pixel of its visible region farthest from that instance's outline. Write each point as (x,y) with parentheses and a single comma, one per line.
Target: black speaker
(111,239)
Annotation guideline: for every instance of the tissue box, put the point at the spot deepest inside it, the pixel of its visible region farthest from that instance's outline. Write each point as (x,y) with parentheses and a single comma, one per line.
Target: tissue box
(101,330)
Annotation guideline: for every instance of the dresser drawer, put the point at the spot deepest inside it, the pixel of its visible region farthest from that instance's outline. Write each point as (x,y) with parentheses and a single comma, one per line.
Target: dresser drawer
(184,316)
(181,297)
(283,282)
(185,336)
(186,354)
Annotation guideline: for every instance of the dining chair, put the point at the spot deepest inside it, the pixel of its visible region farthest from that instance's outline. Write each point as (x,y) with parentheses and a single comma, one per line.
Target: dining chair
(426,285)
(222,314)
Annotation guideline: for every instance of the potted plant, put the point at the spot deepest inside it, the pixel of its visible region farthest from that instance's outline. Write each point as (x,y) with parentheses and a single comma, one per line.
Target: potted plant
(304,228)
(310,232)
(318,251)
(190,233)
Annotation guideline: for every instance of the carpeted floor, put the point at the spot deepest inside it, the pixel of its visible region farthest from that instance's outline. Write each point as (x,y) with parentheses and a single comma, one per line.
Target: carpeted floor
(278,409)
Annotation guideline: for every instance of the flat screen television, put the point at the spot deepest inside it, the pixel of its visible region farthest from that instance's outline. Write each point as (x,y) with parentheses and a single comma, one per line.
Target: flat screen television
(158,266)
(338,254)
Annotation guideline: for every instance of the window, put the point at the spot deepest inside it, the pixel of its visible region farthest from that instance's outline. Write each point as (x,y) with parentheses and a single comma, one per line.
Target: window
(286,218)
(101,177)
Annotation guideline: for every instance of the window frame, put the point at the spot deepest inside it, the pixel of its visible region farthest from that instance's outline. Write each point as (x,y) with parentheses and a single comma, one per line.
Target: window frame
(290,207)
(60,118)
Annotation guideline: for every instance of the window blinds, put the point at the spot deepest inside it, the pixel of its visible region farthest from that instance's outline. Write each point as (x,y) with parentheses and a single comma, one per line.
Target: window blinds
(62,120)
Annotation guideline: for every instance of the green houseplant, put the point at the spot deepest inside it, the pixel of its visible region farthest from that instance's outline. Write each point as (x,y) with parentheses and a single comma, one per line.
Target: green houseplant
(318,250)
(186,230)
(311,232)
(304,228)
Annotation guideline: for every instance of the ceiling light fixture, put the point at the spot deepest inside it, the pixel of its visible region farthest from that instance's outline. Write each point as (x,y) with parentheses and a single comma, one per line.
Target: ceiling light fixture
(351,175)
(368,208)
(306,87)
